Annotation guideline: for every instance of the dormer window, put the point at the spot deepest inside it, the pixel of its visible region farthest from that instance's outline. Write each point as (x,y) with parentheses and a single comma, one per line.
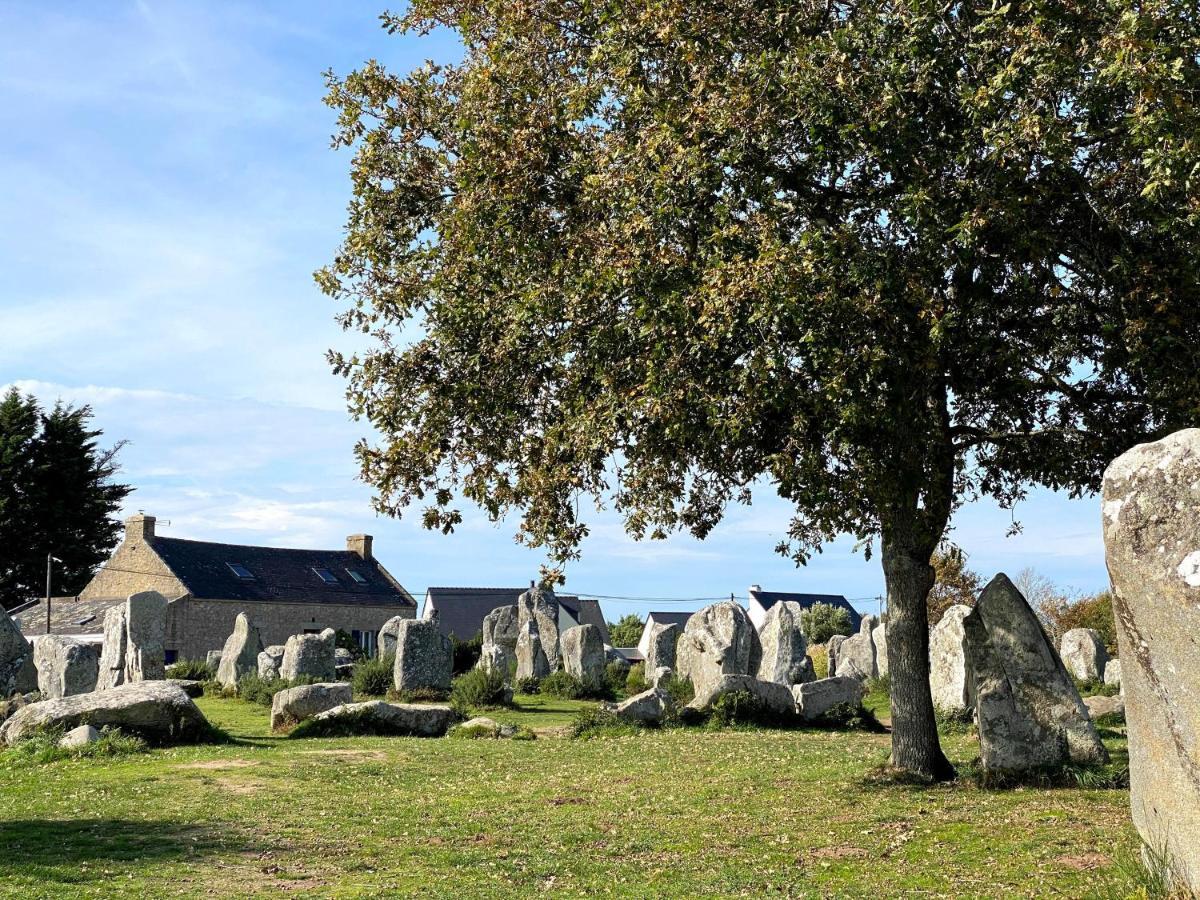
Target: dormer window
(357,576)
(240,571)
(325,575)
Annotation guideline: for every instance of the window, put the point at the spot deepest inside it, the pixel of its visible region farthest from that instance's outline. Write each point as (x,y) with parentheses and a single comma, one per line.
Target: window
(357,576)
(240,571)
(169,656)
(325,575)
(365,640)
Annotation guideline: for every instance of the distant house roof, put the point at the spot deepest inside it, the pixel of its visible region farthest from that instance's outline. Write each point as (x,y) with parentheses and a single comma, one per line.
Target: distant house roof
(243,572)
(767,599)
(68,615)
(461,609)
(670,618)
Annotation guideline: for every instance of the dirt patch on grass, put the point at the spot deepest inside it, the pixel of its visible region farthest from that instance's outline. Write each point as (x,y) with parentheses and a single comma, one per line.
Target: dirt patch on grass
(839,852)
(211,764)
(241,787)
(375,755)
(553,731)
(1083,862)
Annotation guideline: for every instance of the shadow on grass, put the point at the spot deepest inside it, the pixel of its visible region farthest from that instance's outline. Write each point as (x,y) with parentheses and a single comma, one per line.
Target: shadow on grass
(77,850)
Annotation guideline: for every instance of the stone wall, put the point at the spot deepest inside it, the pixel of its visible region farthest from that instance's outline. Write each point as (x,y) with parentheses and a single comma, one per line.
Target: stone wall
(196,626)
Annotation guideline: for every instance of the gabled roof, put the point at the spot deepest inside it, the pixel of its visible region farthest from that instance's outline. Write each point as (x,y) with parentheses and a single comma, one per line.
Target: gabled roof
(68,615)
(669,618)
(767,599)
(461,609)
(279,574)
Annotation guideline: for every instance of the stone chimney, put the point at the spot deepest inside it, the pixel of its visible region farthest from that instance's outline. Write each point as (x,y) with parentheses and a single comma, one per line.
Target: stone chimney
(756,588)
(139,527)
(360,544)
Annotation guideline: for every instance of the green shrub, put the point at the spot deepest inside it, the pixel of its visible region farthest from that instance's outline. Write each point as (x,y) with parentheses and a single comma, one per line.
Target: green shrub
(344,640)
(635,681)
(679,688)
(1096,688)
(615,674)
(822,621)
(562,684)
(599,722)
(373,677)
(819,654)
(849,717)
(880,684)
(41,747)
(465,653)
(254,689)
(480,688)
(953,721)
(1110,776)
(191,670)
(530,684)
(743,708)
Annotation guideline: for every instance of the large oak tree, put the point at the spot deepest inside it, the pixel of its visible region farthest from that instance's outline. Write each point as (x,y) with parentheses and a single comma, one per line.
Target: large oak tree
(883,257)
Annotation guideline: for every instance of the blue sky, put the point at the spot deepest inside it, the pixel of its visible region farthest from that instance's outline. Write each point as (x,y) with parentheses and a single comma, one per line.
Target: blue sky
(167,189)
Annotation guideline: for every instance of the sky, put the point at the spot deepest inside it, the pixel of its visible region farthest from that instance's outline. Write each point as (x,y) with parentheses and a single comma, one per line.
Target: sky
(167,189)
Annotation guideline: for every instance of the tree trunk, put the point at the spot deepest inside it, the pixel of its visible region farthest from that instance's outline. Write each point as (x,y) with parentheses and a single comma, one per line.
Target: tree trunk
(909,577)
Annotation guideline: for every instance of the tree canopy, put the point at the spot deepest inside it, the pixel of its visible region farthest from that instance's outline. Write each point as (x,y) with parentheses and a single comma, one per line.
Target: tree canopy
(57,495)
(627,631)
(953,582)
(881,256)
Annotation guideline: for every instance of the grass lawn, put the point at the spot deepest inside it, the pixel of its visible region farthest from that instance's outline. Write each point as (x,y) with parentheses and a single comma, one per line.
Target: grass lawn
(681,813)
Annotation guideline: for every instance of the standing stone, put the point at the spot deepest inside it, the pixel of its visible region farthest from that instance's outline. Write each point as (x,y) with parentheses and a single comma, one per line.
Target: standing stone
(1112,674)
(212,659)
(269,661)
(16,656)
(309,656)
(948,681)
(540,606)
(146,628)
(856,654)
(1027,710)
(112,652)
(784,648)
(386,643)
(815,698)
(502,626)
(718,640)
(879,640)
(240,656)
(583,653)
(831,649)
(500,630)
(424,657)
(663,641)
(65,666)
(494,658)
(1152,544)
(531,658)
(1082,651)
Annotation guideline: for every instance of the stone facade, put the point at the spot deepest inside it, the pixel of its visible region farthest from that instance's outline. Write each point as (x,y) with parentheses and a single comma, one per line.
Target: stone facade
(134,567)
(196,626)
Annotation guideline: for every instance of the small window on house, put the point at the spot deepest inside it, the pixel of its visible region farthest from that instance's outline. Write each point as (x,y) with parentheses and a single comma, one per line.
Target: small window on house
(240,571)
(325,575)
(357,576)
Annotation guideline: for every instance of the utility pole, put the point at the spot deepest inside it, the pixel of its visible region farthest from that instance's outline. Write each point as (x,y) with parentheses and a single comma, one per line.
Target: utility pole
(50,560)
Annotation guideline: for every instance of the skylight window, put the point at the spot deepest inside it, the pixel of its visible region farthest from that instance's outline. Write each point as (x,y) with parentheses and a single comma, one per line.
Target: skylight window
(325,575)
(240,571)
(357,576)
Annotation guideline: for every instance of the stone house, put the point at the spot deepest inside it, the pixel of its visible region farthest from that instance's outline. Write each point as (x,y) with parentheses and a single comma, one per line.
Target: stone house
(460,610)
(283,591)
(760,603)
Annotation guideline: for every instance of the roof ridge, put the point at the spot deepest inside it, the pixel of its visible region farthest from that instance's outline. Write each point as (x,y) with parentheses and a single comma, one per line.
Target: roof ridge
(179,540)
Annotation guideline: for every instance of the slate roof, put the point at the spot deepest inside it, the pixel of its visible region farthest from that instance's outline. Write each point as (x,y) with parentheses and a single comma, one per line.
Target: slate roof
(767,599)
(280,574)
(461,609)
(68,615)
(670,618)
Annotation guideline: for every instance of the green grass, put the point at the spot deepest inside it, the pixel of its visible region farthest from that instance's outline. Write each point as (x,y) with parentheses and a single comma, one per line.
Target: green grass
(676,812)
